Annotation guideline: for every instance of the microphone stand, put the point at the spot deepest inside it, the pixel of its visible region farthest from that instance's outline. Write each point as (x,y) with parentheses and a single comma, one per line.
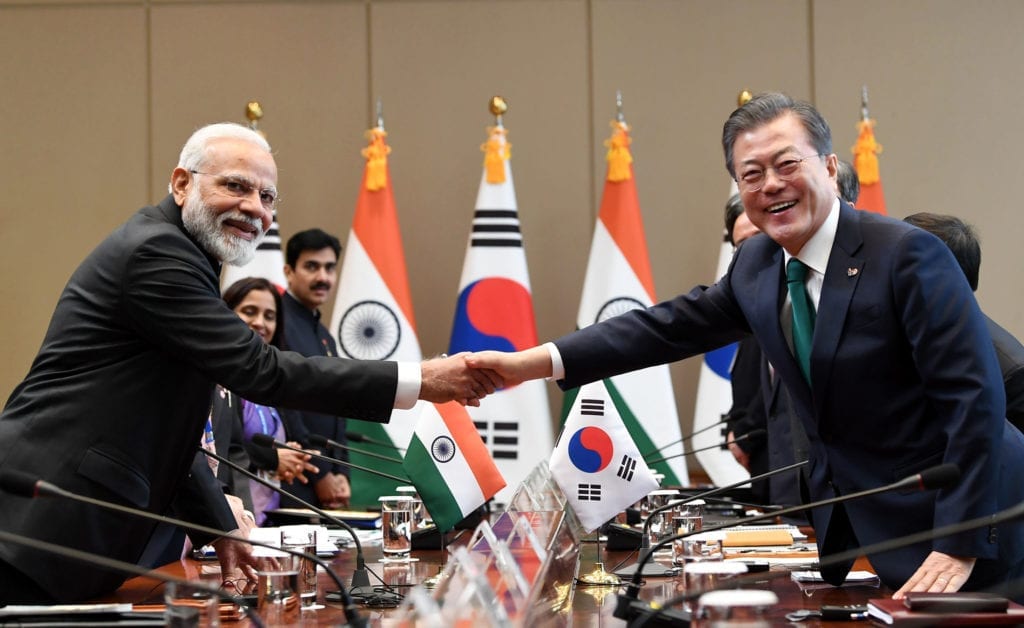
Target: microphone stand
(686,438)
(929,479)
(263,440)
(738,439)
(360,587)
(645,538)
(321,441)
(123,567)
(356,437)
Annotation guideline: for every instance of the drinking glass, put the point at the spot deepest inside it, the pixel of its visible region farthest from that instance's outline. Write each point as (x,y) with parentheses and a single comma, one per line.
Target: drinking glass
(396,527)
(191,606)
(303,539)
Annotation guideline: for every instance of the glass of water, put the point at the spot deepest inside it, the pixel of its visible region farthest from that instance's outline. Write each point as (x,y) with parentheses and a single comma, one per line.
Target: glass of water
(396,527)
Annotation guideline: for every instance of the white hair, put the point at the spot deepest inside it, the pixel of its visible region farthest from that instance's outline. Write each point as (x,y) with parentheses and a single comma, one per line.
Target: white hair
(194,151)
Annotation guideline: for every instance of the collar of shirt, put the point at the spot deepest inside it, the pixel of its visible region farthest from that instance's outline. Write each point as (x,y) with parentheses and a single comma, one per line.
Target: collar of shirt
(816,252)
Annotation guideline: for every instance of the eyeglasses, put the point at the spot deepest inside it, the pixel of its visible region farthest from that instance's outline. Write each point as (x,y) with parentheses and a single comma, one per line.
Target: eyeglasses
(753,179)
(238,186)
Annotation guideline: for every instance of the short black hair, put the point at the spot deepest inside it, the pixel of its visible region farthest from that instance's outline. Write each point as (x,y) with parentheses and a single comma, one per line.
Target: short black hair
(958,236)
(733,209)
(309,240)
(848,182)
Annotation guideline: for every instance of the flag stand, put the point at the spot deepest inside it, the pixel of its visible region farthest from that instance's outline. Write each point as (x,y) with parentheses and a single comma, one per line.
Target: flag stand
(435,580)
(598,577)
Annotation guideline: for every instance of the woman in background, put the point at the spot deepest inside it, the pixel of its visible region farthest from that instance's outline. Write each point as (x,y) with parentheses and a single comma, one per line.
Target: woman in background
(258,303)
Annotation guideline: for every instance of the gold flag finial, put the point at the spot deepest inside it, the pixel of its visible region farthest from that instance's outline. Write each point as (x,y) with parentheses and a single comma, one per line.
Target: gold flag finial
(743,98)
(497,106)
(253,112)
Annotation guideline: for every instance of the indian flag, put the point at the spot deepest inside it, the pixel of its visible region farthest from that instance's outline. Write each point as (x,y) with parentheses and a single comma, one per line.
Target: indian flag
(450,465)
(619,279)
(373,317)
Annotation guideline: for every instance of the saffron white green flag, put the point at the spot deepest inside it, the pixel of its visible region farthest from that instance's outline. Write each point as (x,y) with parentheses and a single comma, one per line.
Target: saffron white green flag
(618,279)
(449,464)
(373,317)
(495,311)
(596,463)
(714,399)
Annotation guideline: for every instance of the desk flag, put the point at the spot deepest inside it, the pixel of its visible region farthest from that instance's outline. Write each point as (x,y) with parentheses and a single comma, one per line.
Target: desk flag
(373,317)
(714,397)
(449,464)
(618,279)
(495,311)
(596,463)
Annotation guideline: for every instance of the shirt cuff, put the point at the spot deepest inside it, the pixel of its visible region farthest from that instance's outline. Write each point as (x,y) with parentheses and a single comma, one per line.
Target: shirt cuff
(407,393)
(557,368)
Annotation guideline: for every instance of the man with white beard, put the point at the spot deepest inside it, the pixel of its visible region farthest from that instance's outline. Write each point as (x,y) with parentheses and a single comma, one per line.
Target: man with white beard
(115,402)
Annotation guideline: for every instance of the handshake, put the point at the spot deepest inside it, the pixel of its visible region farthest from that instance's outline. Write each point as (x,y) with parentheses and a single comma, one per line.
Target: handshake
(469,377)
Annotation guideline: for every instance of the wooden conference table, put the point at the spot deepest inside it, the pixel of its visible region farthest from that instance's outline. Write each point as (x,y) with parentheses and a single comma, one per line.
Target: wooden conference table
(592,606)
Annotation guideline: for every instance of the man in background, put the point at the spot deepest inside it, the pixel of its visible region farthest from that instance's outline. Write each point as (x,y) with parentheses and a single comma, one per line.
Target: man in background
(311,270)
(963,242)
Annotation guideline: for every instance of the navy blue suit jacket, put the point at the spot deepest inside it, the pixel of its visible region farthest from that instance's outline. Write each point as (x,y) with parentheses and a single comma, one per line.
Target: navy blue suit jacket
(904,377)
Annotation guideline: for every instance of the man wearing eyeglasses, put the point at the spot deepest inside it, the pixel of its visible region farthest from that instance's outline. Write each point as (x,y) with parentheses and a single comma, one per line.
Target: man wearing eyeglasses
(875,333)
(116,400)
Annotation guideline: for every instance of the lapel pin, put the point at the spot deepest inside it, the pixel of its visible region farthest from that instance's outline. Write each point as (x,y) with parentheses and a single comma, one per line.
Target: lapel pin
(850,272)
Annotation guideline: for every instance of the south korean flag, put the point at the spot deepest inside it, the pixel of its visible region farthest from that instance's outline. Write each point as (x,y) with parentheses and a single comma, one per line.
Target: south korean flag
(595,462)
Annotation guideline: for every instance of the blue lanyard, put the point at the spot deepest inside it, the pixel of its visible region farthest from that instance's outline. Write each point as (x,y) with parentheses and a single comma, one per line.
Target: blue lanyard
(263,421)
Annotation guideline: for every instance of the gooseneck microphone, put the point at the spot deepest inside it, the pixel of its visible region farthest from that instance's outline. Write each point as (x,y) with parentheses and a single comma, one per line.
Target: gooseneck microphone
(683,439)
(123,567)
(356,437)
(360,577)
(322,442)
(265,440)
(933,478)
(23,484)
(645,538)
(739,439)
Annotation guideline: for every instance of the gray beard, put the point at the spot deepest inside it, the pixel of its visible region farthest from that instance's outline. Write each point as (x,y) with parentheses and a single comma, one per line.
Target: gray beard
(205,225)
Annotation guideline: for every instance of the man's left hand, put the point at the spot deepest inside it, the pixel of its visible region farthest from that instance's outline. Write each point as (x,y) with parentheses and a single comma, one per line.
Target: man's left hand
(939,572)
(333,491)
(235,556)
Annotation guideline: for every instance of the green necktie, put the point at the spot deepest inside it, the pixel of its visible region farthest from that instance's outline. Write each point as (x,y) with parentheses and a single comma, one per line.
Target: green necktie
(803,314)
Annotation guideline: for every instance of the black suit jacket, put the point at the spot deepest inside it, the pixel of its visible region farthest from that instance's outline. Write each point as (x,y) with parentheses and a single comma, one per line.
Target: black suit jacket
(904,377)
(116,400)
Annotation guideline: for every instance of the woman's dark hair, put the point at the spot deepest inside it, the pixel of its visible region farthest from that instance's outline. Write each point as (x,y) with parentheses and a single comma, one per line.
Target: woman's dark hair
(237,292)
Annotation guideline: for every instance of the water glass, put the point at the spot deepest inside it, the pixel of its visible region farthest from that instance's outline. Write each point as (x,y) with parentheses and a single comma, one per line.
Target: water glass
(191,606)
(277,589)
(303,539)
(396,527)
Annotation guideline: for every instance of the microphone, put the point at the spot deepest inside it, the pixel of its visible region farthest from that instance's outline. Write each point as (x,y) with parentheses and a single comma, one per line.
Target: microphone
(645,538)
(322,442)
(683,439)
(356,437)
(933,478)
(739,439)
(123,567)
(361,587)
(265,440)
(23,484)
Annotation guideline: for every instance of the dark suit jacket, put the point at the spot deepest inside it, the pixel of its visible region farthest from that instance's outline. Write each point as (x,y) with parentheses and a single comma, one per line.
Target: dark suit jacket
(904,377)
(116,400)
(1010,353)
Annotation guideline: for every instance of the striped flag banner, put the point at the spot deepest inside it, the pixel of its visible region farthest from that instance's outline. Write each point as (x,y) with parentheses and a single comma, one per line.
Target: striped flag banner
(714,398)
(373,317)
(618,279)
(865,162)
(449,464)
(596,463)
(495,311)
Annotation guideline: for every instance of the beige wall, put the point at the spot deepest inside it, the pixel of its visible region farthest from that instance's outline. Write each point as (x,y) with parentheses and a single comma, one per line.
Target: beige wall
(97,97)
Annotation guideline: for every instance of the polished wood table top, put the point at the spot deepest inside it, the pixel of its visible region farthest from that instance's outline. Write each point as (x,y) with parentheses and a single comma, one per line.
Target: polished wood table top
(591,606)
